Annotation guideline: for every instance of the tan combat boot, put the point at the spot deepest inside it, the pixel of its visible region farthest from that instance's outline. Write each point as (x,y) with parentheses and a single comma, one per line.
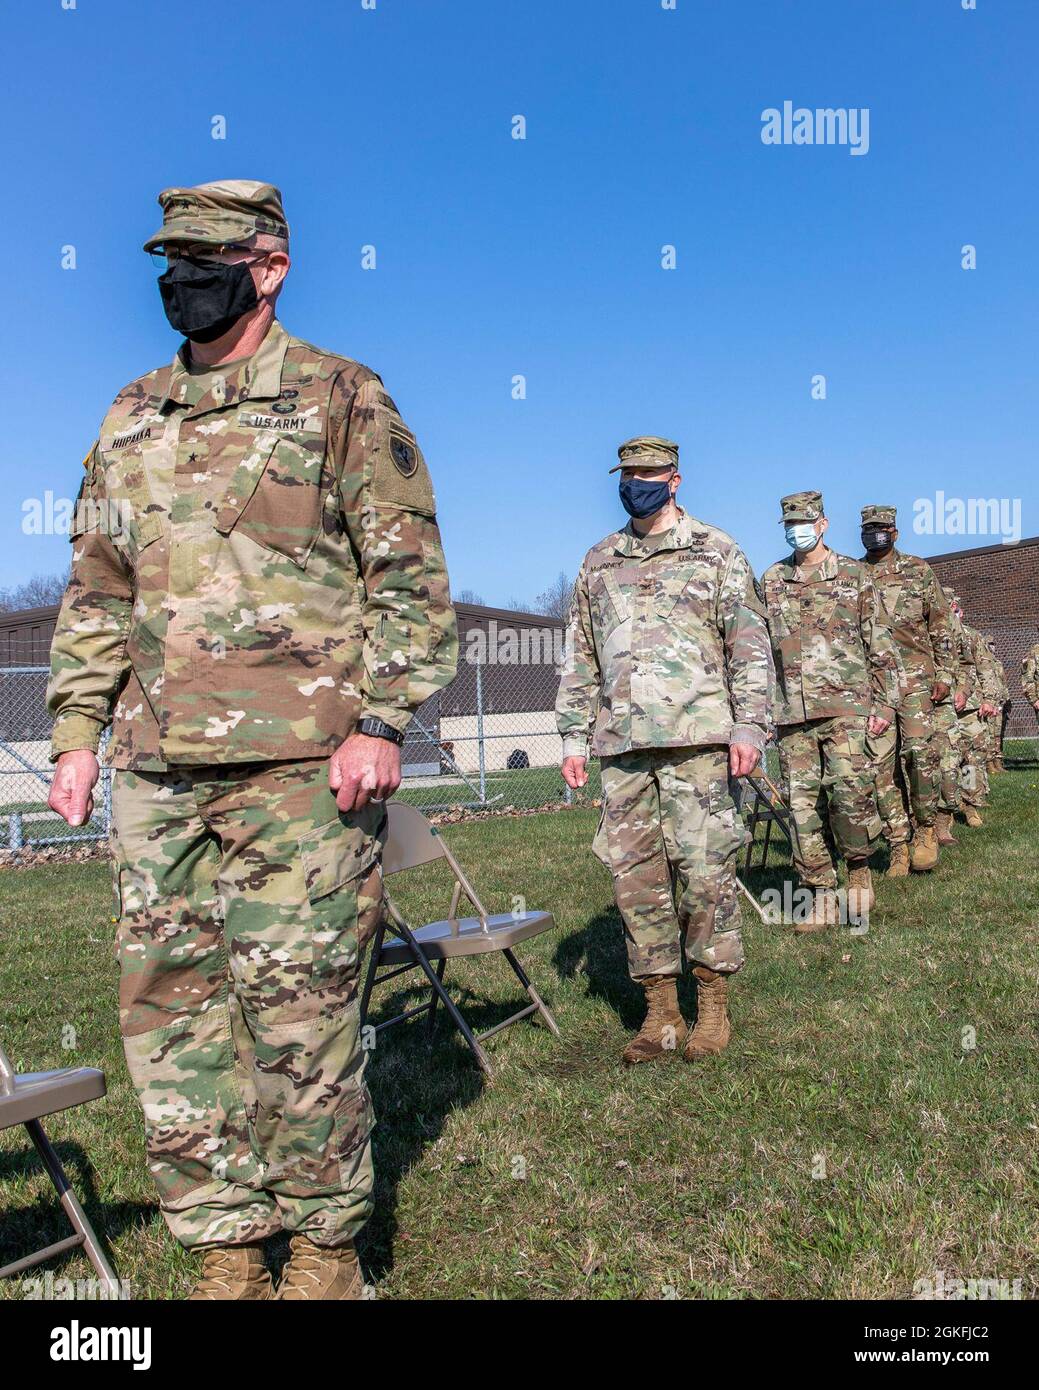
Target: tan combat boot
(925,849)
(899,866)
(321,1273)
(233,1272)
(943,828)
(972,816)
(711,1032)
(663,1028)
(993,767)
(823,913)
(861,897)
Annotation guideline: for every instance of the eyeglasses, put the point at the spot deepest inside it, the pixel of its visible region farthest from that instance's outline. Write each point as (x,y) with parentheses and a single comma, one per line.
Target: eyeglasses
(228,254)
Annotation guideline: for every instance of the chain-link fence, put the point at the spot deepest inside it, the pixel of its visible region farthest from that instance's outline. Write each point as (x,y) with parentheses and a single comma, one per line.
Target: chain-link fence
(25,772)
(486,742)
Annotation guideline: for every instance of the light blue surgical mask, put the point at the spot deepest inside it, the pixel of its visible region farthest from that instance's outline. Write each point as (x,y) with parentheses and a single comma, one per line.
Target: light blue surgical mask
(800,536)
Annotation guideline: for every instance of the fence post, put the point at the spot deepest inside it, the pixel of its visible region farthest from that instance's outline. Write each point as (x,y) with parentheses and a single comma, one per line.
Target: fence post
(14,830)
(479,729)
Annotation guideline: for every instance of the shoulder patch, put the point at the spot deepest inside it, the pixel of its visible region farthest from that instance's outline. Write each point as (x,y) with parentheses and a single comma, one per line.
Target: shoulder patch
(399,476)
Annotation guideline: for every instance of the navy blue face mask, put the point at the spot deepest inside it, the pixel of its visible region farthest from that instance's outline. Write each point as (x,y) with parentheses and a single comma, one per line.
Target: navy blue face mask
(641,498)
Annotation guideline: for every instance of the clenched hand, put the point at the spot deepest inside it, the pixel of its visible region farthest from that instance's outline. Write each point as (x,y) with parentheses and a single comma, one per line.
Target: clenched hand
(363,769)
(75,775)
(743,759)
(575,772)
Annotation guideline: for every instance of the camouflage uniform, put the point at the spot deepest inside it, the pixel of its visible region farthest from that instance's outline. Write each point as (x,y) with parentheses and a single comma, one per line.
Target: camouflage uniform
(835,666)
(977,684)
(947,724)
(256,566)
(994,727)
(906,756)
(667,662)
(1030,677)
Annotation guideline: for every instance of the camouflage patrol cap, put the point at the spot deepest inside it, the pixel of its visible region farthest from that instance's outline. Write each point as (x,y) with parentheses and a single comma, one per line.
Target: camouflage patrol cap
(215,213)
(647,451)
(801,506)
(878,516)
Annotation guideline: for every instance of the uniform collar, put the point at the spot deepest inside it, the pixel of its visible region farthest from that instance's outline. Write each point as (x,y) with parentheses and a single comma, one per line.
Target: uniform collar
(811,574)
(258,377)
(679,538)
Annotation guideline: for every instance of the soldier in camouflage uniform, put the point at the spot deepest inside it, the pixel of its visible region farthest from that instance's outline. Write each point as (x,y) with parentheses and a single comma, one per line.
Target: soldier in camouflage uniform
(906,757)
(975,703)
(947,738)
(998,721)
(257,604)
(1030,678)
(837,678)
(669,678)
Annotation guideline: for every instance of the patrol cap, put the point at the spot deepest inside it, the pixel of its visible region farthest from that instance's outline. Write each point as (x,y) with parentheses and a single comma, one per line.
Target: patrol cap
(801,506)
(215,213)
(878,516)
(647,451)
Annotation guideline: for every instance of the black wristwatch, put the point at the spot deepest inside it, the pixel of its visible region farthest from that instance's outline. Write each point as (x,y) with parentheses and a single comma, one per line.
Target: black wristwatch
(378,728)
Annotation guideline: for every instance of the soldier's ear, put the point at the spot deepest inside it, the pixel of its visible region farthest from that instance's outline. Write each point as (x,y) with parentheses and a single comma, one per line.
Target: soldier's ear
(825,525)
(676,478)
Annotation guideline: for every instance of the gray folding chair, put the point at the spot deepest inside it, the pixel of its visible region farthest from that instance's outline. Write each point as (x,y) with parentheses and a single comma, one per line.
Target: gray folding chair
(412,841)
(24,1099)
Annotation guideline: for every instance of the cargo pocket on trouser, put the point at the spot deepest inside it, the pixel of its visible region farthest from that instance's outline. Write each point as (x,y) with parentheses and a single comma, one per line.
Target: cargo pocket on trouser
(344,890)
(718,943)
(850,781)
(708,831)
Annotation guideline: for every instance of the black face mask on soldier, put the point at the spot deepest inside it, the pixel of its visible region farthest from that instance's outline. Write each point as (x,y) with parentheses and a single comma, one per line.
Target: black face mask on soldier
(876,540)
(641,497)
(203,299)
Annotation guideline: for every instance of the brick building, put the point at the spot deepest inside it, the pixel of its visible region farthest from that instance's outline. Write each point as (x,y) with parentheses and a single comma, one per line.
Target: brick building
(999,588)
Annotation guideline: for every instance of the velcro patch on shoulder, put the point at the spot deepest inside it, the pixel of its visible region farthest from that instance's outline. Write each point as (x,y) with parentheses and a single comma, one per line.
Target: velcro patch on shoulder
(399,474)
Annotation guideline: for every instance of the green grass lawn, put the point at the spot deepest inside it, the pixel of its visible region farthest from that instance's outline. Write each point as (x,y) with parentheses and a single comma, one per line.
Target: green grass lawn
(848,1143)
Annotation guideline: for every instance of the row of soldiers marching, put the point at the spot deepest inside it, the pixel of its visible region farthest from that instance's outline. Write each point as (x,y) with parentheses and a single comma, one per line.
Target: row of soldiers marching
(884,704)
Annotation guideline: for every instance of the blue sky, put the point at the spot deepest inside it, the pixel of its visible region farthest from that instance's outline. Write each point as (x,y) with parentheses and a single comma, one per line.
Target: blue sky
(541,257)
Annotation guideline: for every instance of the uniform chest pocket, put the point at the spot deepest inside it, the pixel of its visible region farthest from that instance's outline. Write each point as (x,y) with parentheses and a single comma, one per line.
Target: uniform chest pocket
(275,494)
(610,598)
(684,591)
(130,516)
(782,607)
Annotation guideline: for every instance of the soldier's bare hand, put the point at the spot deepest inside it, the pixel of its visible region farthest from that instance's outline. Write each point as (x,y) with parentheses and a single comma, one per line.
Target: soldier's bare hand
(960,701)
(71,793)
(878,725)
(363,769)
(987,711)
(939,691)
(575,772)
(743,759)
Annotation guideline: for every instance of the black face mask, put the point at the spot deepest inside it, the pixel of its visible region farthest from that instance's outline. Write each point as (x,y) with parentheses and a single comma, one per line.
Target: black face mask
(877,541)
(203,299)
(640,497)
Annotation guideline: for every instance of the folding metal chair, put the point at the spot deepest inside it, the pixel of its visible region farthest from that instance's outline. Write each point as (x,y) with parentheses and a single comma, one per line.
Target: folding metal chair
(23,1100)
(769,807)
(412,841)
